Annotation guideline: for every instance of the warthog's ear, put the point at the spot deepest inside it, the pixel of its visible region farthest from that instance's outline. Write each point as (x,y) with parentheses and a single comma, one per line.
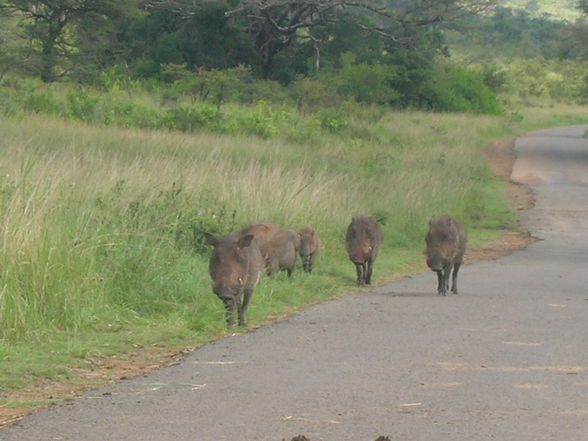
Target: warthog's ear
(211,239)
(245,241)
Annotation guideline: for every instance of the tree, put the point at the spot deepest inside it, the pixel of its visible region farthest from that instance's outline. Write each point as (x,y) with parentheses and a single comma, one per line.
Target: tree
(575,43)
(277,24)
(11,47)
(52,25)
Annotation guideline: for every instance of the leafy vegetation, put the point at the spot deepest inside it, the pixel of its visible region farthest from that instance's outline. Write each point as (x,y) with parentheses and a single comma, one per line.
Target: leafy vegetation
(554,9)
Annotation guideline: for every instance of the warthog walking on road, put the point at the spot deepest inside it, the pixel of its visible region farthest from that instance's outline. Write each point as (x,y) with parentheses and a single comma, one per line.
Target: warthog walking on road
(280,252)
(235,266)
(446,244)
(363,240)
(310,245)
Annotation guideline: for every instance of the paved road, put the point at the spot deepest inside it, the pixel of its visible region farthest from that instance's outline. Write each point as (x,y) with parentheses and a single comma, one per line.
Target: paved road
(507,359)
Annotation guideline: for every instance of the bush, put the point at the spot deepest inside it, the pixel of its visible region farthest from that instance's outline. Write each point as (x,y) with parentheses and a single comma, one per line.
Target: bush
(43,102)
(560,80)
(456,89)
(332,120)
(364,83)
(189,118)
(312,94)
(83,107)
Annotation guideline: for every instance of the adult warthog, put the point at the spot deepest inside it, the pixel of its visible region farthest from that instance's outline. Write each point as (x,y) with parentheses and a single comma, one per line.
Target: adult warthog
(446,244)
(310,245)
(235,267)
(363,240)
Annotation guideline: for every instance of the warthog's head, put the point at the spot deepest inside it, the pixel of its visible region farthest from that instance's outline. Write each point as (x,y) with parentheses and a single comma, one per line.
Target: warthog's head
(440,244)
(228,264)
(308,242)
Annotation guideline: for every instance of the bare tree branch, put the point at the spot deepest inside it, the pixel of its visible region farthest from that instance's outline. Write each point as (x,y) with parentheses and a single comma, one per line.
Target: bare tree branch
(274,24)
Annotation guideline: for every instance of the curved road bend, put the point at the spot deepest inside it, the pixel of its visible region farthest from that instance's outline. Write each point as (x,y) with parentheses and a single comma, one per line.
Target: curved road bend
(507,359)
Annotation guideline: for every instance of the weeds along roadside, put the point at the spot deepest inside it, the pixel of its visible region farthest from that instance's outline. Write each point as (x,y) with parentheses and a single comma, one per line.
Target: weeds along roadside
(101,248)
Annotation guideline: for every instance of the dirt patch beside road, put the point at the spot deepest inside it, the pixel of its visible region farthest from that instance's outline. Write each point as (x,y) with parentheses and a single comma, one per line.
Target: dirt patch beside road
(500,156)
(99,371)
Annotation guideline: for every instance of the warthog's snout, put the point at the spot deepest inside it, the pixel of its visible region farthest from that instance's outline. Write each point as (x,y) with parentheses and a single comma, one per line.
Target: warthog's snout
(436,264)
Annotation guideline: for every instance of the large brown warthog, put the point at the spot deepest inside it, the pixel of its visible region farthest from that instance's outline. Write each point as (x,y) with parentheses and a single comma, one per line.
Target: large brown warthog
(446,244)
(235,266)
(280,252)
(363,240)
(262,232)
(310,245)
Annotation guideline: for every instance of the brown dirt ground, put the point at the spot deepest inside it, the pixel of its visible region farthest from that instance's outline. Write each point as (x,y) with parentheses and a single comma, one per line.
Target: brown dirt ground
(500,156)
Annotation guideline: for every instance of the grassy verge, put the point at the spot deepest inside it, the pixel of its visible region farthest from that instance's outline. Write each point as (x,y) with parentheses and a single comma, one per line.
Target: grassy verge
(101,248)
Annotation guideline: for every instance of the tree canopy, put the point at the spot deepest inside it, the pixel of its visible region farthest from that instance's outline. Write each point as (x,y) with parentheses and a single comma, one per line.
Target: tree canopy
(277,25)
(59,29)
(389,51)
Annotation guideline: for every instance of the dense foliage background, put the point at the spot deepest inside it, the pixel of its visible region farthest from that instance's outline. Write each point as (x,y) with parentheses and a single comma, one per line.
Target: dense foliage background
(437,56)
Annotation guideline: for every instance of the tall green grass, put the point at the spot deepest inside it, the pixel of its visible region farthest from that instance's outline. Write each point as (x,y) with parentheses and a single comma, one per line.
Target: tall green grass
(101,243)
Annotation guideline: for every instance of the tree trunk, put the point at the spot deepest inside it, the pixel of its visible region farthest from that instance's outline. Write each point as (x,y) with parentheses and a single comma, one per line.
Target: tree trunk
(48,62)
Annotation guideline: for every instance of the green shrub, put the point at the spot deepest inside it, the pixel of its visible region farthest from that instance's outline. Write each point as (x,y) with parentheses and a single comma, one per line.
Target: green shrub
(364,83)
(456,89)
(311,94)
(189,118)
(332,120)
(83,107)
(556,79)
(44,103)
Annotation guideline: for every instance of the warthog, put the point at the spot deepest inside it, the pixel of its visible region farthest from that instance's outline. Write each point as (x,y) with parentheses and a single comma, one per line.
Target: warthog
(363,240)
(446,244)
(280,252)
(310,245)
(235,267)
(262,232)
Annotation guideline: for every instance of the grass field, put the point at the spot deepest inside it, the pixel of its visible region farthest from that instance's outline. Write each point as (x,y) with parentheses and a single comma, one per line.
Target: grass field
(101,247)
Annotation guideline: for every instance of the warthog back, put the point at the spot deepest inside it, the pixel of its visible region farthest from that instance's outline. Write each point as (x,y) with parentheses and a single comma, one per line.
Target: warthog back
(262,232)
(280,252)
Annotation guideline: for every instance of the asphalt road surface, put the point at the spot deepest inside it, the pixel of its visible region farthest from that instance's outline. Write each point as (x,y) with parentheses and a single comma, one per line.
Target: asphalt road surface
(506,359)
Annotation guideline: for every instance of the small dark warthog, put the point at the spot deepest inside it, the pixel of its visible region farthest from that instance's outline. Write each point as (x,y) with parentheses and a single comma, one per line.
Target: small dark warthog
(446,244)
(310,245)
(235,267)
(363,240)
(280,252)
(262,232)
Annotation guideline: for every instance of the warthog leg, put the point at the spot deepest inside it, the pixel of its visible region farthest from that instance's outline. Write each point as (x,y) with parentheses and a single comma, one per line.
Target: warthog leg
(243,306)
(439,282)
(456,267)
(368,276)
(230,304)
(361,270)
